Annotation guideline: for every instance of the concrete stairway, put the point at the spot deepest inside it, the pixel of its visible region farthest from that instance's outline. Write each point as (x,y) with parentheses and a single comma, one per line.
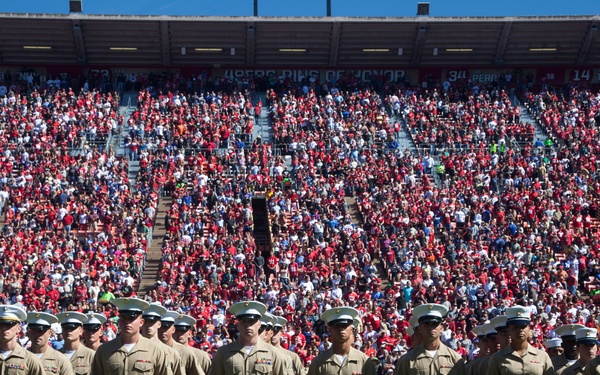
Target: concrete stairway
(154,253)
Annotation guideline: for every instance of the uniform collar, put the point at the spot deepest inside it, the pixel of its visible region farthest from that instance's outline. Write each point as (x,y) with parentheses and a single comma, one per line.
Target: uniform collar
(260,346)
(509,350)
(422,353)
(332,358)
(18,351)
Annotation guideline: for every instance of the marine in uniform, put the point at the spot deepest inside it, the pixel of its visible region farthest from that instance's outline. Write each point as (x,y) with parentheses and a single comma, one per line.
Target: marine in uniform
(593,366)
(92,330)
(341,358)
(587,346)
(472,366)
(519,357)
(569,345)
(248,354)
(39,330)
(152,324)
(294,358)
(553,347)
(502,338)
(184,326)
(431,356)
(13,358)
(130,353)
(266,332)
(490,333)
(189,364)
(72,327)
(413,332)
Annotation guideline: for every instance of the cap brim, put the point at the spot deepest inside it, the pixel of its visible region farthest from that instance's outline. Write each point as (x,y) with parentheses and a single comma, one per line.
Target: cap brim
(93,327)
(515,322)
(587,342)
(71,325)
(182,327)
(130,313)
(248,316)
(430,319)
(341,322)
(38,327)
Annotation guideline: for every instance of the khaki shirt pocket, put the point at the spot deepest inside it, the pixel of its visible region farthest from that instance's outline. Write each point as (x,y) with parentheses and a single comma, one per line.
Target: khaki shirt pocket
(142,367)
(15,371)
(263,369)
(81,370)
(51,369)
(238,369)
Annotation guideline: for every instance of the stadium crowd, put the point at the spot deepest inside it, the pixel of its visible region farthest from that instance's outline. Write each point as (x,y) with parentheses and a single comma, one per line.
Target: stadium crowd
(512,221)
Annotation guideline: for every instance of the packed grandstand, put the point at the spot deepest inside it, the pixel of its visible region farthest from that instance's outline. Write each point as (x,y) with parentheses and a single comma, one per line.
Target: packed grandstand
(304,194)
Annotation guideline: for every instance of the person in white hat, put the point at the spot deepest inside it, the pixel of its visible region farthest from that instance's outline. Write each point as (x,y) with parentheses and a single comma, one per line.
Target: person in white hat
(587,346)
(341,357)
(248,354)
(502,339)
(130,352)
(431,356)
(569,345)
(472,366)
(413,332)
(294,359)
(519,357)
(267,330)
(184,328)
(489,337)
(39,330)
(189,363)
(152,324)
(92,330)
(12,355)
(553,347)
(72,327)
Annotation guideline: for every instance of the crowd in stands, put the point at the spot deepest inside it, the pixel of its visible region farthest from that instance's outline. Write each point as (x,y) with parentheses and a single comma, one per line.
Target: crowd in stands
(480,217)
(72,229)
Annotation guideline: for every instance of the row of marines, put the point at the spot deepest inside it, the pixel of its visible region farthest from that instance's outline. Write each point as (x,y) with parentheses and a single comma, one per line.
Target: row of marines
(152,340)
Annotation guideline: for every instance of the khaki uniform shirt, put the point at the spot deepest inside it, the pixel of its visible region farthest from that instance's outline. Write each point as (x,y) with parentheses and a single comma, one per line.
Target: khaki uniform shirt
(327,363)
(145,357)
(593,367)
(56,363)
(532,362)
(21,362)
(173,357)
(297,366)
(418,362)
(203,358)
(483,365)
(188,360)
(560,363)
(472,366)
(288,360)
(81,361)
(576,368)
(232,359)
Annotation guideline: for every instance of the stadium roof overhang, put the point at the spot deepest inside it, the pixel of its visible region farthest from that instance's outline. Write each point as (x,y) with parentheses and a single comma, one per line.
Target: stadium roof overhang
(299,42)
